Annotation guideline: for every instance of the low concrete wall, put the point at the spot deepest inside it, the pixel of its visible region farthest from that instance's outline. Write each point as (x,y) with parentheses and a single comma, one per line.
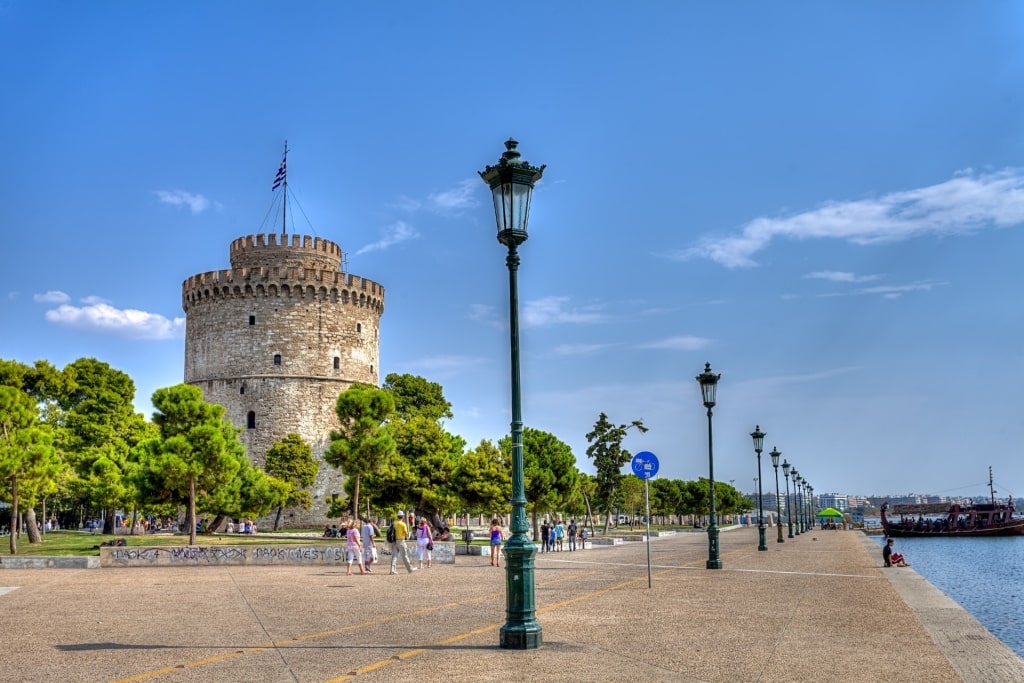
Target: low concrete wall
(49,562)
(225,555)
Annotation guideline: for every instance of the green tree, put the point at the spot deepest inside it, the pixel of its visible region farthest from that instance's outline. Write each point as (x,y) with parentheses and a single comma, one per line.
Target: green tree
(363,443)
(416,396)
(99,427)
(197,450)
(27,456)
(291,461)
(609,457)
(483,479)
(423,470)
(631,495)
(667,497)
(549,471)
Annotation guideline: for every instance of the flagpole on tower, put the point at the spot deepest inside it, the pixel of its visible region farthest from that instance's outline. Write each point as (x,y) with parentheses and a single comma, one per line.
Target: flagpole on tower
(282,179)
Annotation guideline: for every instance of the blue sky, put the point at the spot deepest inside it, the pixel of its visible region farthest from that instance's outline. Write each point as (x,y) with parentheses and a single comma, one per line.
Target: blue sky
(824,200)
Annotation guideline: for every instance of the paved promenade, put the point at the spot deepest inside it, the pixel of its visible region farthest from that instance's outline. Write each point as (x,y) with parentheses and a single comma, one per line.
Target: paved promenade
(817,606)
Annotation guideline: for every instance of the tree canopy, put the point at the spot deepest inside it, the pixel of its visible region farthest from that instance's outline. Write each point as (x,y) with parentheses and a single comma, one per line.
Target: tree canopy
(363,444)
(609,457)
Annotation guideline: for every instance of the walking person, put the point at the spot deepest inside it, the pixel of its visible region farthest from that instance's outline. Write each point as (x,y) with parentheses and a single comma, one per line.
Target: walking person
(559,535)
(370,532)
(353,548)
(545,529)
(424,543)
(571,531)
(497,538)
(401,532)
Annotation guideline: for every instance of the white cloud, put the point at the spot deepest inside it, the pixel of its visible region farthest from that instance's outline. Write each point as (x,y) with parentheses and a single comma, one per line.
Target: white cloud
(838,276)
(579,349)
(964,204)
(680,343)
(456,199)
(396,233)
(51,297)
(445,366)
(550,310)
(196,202)
(894,291)
(103,317)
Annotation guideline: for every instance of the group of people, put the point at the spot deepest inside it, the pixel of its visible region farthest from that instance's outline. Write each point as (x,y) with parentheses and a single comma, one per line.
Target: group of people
(420,532)
(554,535)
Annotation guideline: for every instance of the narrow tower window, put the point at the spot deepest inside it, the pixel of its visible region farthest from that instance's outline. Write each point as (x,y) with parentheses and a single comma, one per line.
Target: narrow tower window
(371,369)
(252,320)
(359,328)
(277,359)
(337,362)
(250,420)
(241,389)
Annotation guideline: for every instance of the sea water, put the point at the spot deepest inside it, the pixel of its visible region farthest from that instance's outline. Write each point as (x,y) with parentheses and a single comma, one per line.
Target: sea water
(985,576)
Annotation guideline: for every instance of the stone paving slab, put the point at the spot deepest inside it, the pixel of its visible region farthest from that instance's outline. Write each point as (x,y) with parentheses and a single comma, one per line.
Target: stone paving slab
(817,605)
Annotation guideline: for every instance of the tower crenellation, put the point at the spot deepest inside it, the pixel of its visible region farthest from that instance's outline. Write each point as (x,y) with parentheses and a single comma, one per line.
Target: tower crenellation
(275,339)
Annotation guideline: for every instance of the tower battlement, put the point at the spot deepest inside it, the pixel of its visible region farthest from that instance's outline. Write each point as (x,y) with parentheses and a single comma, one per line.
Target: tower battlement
(253,251)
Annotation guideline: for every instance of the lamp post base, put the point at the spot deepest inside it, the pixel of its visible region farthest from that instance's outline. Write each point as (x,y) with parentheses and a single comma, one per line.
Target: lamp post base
(762,544)
(714,560)
(521,630)
(520,638)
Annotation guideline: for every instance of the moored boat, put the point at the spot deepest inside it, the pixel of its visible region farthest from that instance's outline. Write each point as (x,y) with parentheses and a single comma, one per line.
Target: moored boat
(992,518)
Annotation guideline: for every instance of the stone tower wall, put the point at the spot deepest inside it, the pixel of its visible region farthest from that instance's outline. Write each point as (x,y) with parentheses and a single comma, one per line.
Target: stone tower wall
(279,335)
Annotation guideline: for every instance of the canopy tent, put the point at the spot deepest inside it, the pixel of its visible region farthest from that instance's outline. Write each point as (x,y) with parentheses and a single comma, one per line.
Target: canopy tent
(830,512)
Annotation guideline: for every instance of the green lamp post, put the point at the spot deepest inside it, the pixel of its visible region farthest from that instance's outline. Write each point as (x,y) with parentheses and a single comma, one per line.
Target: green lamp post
(789,507)
(708,388)
(778,506)
(758,436)
(810,505)
(511,181)
(797,502)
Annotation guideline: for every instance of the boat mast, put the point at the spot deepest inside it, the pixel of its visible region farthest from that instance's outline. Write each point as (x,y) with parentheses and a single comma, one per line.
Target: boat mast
(991,490)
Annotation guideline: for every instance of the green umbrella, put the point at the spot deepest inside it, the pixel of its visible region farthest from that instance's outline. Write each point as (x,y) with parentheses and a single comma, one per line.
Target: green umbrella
(830,512)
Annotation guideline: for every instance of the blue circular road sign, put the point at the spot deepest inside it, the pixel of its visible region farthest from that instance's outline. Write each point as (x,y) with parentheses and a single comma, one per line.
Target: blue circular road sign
(645,464)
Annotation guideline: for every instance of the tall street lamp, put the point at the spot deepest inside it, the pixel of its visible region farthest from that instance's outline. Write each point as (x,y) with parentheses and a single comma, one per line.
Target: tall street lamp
(708,387)
(789,508)
(797,502)
(778,507)
(511,181)
(758,436)
(810,505)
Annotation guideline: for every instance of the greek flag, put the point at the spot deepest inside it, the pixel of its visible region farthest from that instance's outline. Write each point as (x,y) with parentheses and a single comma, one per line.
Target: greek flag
(282,174)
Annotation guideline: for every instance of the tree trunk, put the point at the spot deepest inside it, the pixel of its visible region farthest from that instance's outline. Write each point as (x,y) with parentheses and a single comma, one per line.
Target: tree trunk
(32,527)
(355,498)
(217,525)
(15,522)
(190,517)
(536,529)
(108,521)
(277,519)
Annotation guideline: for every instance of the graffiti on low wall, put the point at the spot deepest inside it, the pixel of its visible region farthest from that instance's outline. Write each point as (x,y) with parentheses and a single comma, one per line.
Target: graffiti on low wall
(221,555)
(177,556)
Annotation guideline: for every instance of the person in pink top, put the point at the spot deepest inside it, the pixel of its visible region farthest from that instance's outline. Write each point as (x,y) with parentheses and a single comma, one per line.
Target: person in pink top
(424,543)
(353,548)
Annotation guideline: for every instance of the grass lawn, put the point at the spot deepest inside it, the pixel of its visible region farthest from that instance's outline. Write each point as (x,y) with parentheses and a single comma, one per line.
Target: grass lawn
(79,543)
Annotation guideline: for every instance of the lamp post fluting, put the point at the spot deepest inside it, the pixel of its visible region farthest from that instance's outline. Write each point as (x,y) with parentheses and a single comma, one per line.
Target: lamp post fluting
(778,506)
(789,508)
(708,388)
(758,436)
(511,181)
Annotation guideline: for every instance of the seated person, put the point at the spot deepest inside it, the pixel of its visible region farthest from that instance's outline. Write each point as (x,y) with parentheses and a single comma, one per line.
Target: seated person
(443,534)
(891,557)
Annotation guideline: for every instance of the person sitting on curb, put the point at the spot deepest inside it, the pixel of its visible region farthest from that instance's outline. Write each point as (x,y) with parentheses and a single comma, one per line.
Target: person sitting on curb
(891,558)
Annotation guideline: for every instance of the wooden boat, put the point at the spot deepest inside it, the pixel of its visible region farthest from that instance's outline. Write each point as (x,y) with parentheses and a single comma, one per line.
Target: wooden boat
(944,519)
